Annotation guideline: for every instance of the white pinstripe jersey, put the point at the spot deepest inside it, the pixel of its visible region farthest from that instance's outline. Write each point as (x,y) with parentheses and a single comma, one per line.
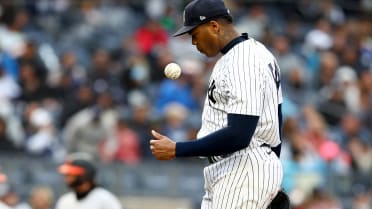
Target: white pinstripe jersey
(245,81)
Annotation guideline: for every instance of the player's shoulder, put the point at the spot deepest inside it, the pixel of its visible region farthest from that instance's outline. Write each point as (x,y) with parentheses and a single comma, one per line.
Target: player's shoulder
(102,192)
(65,199)
(250,50)
(258,50)
(255,45)
(107,197)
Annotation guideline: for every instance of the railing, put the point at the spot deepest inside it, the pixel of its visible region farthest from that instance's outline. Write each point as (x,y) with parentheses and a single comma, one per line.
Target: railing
(175,179)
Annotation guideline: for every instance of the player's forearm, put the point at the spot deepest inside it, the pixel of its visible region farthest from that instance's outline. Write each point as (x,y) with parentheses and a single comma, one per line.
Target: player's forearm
(236,136)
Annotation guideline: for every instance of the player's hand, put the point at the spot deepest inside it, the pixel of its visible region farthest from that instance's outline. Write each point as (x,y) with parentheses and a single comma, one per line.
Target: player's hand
(162,147)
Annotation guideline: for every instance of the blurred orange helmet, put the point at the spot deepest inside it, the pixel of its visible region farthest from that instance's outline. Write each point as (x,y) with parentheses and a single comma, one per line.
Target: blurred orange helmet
(78,166)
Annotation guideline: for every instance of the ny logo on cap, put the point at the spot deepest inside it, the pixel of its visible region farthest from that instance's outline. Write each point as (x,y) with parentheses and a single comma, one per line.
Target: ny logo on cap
(202,18)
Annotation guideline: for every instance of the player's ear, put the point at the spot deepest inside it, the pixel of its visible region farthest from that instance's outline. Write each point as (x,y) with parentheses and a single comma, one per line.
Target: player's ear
(214,26)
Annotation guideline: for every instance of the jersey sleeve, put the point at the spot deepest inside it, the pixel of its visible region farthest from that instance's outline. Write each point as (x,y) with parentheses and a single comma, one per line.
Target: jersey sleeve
(244,83)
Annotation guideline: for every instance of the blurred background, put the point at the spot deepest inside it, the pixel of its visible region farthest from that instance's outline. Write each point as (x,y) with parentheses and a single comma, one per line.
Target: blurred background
(87,76)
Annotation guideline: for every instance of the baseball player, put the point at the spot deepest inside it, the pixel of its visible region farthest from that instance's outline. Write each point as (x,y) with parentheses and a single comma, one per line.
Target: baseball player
(241,119)
(79,174)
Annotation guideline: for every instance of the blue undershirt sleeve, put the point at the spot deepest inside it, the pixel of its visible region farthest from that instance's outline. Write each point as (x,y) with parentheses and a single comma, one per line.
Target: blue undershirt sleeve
(236,136)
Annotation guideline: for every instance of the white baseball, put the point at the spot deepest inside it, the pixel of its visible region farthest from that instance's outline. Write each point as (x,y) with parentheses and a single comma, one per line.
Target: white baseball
(172,71)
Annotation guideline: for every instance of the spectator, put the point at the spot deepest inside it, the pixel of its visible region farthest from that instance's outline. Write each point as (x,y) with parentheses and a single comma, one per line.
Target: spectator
(7,144)
(137,73)
(297,87)
(88,127)
(332,102)
(346,80)
(365,86)
(41,197)
(82,98)
(31,55)
(351,127)
(12,39)
(141,118)
(13,199)
(33,87)
(150,36)
(303,168)
(72,68)
(42,140)
(85,131)
(175,122)
(15,129)
(319,38)
(361,153)
(254,22)
(10,88)
(332,11)
(9,198)
(287,60)
(329,63)
(315,132)
(122,145)
(102,76)
(317,41)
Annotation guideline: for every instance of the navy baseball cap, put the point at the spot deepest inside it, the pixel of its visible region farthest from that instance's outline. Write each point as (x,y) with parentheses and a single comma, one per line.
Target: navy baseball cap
(198,12)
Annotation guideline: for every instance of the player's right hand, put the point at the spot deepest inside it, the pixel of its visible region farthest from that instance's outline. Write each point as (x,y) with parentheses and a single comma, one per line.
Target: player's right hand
(162,147)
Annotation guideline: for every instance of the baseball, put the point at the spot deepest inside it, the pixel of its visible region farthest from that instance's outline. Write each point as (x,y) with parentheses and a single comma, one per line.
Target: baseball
(172,71)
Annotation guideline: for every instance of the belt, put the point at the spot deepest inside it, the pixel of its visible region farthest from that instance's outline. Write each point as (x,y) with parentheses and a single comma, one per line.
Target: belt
(213,159)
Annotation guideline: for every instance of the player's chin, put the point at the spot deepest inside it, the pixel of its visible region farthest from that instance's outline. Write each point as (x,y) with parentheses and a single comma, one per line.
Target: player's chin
(206,53)
(209,53)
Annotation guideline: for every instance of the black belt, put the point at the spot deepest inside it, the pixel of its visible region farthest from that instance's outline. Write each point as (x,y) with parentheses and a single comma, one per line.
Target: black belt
(212,159)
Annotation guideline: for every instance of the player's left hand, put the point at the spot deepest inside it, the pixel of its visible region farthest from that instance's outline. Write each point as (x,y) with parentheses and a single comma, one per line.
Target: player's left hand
(162,147)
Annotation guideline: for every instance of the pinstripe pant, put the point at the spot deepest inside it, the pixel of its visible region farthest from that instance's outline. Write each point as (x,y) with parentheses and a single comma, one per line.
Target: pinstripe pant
(248,180)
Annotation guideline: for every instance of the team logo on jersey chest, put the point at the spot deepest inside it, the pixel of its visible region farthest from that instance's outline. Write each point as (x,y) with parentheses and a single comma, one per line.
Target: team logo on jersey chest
(274,69)
(211,89)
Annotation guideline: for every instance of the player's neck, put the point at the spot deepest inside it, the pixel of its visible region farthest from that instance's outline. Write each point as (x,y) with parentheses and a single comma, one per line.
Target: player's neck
(83,190)
(227,35)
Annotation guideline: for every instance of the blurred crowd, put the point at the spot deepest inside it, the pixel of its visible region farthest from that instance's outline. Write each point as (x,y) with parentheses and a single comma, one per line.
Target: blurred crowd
(87,76)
